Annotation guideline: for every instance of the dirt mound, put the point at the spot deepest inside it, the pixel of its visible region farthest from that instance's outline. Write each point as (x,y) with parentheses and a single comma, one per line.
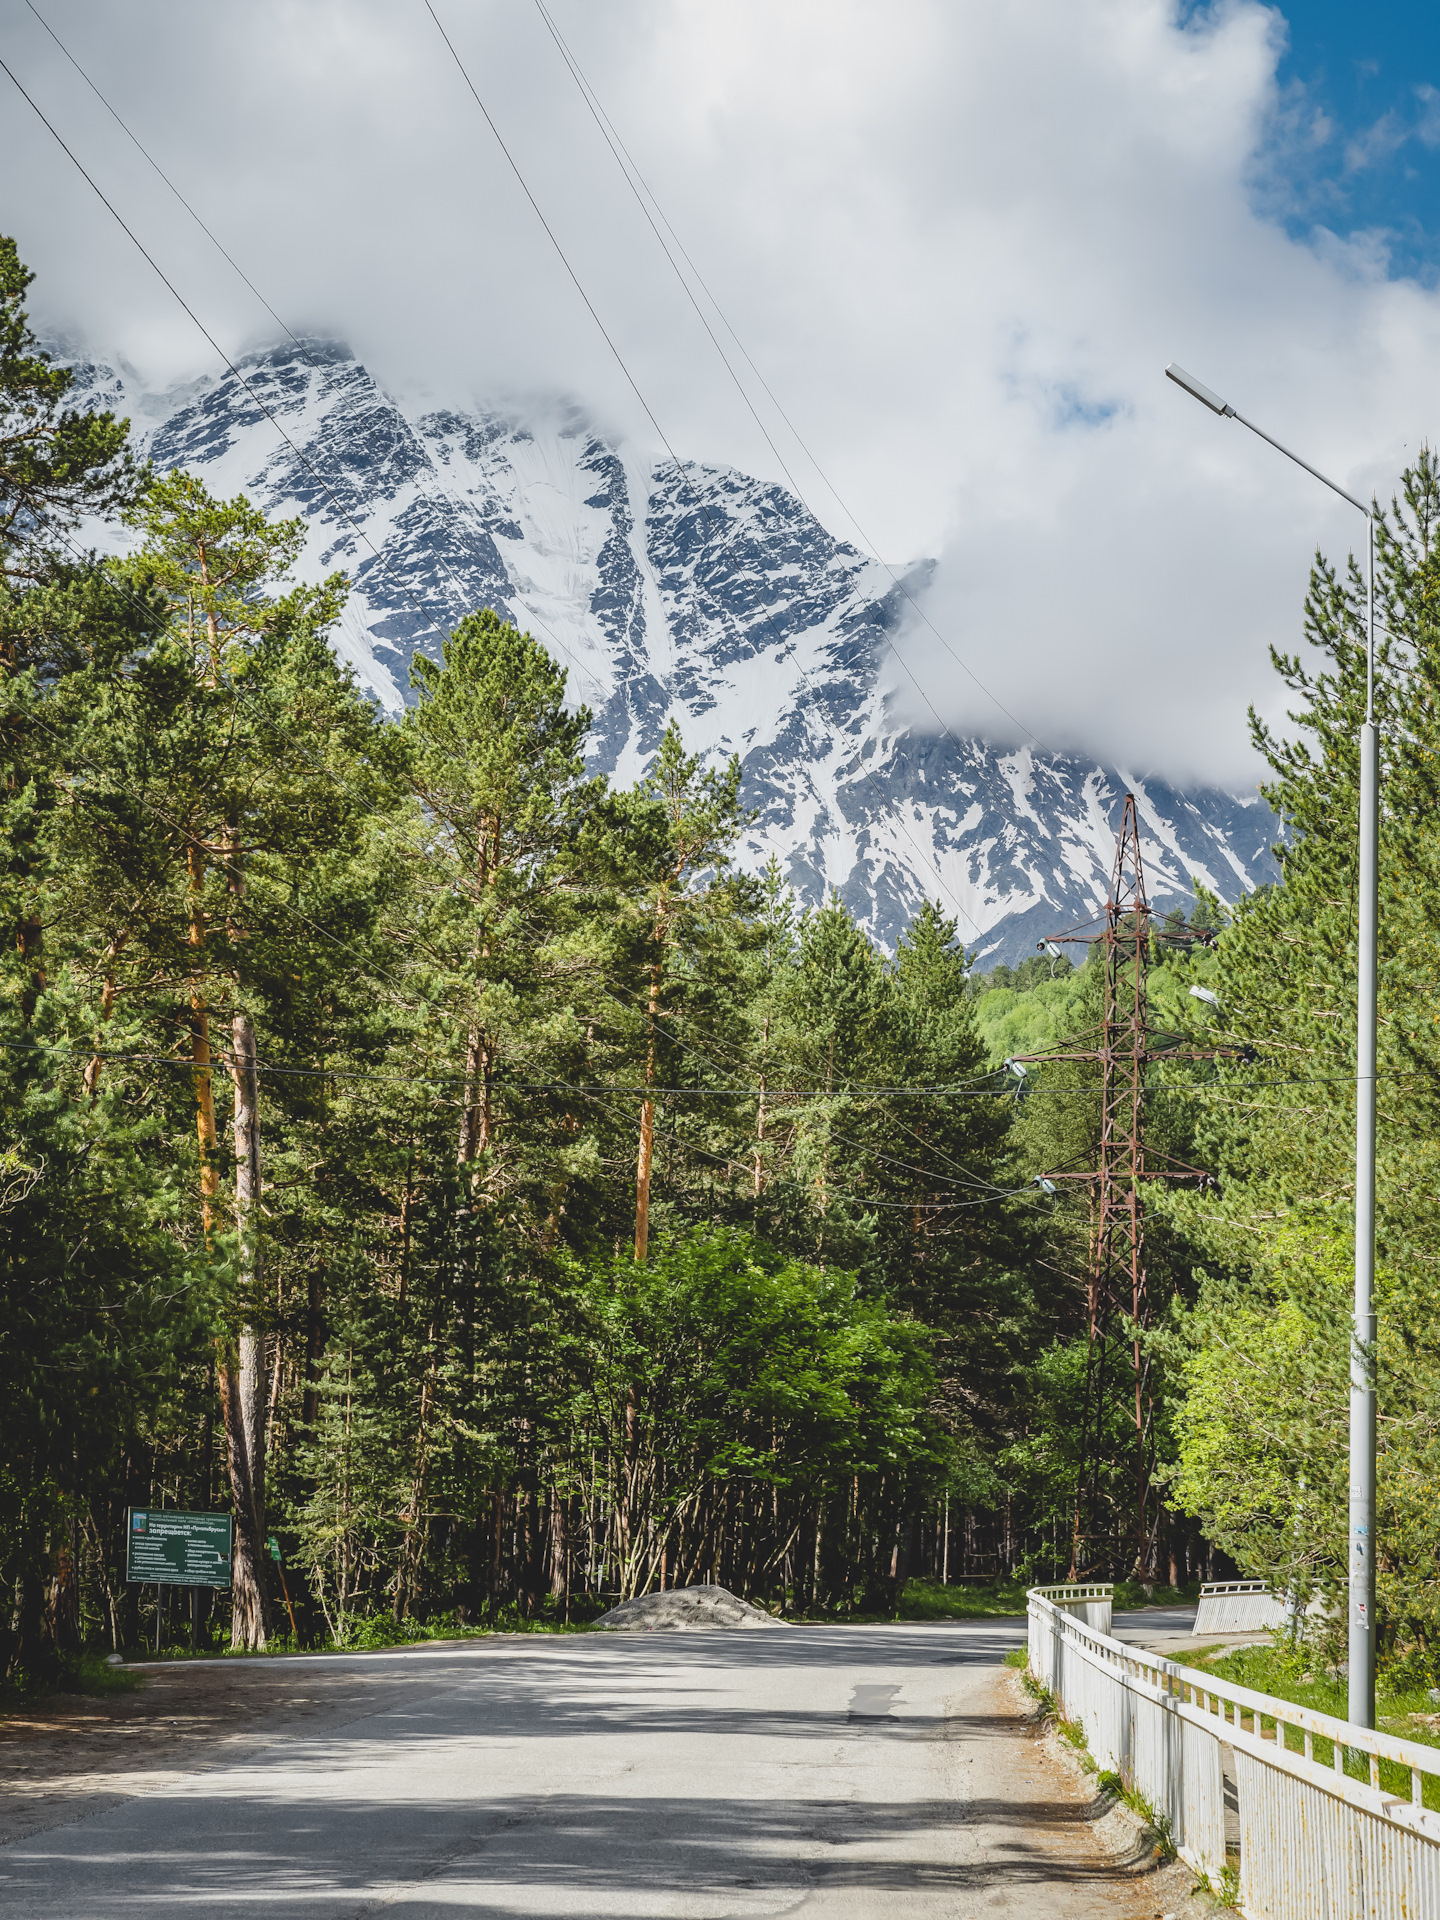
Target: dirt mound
(684,1607)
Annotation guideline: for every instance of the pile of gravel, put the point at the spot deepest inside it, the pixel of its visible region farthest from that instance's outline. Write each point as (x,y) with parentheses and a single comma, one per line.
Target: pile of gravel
(683,1607)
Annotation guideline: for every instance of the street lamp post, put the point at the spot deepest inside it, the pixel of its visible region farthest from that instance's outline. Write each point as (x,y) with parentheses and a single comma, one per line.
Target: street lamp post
(1362,1343)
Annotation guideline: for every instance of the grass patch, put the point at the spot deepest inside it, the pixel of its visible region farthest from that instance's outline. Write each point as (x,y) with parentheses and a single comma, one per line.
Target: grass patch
(95,1677)
(928,1600)
(970,1600)
(1156,1824)
(1224,1891)
(90,1674)
(1281,1671)
(1070,1731)
(384,1630)
(1131,1597)
(366,1632)
(1018,1657)
(83,1673)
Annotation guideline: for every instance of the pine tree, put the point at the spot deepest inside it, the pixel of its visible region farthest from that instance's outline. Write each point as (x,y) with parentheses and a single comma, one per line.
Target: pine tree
(57,462)
(684,830)
(496,760)
(1266,1350)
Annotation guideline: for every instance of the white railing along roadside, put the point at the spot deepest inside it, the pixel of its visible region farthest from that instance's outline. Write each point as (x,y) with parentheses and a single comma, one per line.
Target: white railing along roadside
(1238,1606)
(1315,1843)
(1092,1602)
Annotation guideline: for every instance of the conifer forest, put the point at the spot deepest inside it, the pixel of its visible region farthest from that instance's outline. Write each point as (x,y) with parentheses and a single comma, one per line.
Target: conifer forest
(457,1168)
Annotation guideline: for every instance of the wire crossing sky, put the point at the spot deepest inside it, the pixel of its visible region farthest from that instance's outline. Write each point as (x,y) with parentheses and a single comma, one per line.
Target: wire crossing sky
(960,244)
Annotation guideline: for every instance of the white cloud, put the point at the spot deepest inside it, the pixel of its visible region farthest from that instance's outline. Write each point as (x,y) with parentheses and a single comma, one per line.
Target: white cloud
(961,241)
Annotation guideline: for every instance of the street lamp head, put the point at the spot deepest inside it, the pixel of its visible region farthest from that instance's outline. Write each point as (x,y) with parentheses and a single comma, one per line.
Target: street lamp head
(1201,393)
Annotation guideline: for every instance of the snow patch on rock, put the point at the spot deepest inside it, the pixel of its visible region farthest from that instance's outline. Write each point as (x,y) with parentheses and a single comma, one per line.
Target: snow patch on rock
(694,593)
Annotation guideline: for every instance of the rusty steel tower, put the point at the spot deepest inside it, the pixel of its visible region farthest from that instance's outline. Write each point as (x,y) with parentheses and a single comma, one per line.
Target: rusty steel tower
(1118,1306)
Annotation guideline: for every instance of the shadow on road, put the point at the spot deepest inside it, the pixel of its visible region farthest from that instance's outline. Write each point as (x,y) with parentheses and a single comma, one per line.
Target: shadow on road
(392,1812)
(580,1854)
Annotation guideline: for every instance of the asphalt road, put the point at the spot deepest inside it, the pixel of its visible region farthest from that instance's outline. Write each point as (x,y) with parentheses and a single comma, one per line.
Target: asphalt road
(852,1773)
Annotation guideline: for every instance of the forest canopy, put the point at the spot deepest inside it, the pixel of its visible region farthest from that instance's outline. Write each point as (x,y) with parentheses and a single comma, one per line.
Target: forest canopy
(455,1167)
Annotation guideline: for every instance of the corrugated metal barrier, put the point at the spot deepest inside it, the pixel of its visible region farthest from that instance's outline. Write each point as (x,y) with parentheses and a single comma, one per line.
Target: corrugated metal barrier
(1334,1821)
(1238,1606)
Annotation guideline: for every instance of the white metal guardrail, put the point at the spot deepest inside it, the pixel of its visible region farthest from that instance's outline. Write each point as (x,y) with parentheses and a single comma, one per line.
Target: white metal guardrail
(1316,1842)
(1092,1602)
(1238,1606)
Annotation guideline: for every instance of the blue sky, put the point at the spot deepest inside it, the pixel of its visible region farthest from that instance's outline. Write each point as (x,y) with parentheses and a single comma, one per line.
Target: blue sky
(1358,147)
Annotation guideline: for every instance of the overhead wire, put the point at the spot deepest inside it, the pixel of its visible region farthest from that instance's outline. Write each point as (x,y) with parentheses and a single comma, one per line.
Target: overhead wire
(297,340)
(677,464)
(644,193)
(540,622)
(219,351)
(837,1186)
(964,1090)
(320,480)
(310,468)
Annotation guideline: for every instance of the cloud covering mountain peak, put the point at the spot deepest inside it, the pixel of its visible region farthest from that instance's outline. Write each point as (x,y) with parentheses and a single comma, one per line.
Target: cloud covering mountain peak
(682,591)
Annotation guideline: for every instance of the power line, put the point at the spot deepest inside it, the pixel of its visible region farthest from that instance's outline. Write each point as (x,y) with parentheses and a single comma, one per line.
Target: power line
(349,521)
(837,1187)
(170,286)
(664,440)
(636,182)
(296,339)
(639,1090)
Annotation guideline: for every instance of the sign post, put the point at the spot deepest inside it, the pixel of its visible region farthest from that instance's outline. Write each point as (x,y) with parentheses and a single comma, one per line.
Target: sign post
(274,1545)
(173,1549)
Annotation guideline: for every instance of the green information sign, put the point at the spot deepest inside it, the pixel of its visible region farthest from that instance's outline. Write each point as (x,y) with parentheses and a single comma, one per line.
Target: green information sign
(166,1548)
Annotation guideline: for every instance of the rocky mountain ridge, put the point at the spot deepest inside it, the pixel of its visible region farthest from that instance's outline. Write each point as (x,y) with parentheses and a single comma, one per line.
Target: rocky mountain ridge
(690,591)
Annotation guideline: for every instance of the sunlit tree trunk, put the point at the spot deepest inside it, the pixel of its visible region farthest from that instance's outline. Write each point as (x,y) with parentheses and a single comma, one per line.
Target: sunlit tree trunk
(107,1007)
(647,1128)
(243,1386)
(200,1047)
(760,1116)
(475,1118)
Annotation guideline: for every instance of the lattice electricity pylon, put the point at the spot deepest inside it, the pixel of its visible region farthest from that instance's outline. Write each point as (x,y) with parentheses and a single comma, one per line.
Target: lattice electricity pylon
(1125,1045)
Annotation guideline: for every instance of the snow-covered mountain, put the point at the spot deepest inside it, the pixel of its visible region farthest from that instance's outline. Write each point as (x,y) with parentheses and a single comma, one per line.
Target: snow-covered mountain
(693,592)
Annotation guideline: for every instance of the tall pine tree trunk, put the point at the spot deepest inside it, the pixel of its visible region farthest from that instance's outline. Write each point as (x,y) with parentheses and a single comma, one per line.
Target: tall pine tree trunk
(200,1048)
(647,1129)
(107,1007)
(760,1115)
(412,1548)
(243,1386)
(475,1118)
